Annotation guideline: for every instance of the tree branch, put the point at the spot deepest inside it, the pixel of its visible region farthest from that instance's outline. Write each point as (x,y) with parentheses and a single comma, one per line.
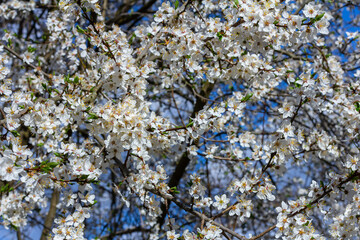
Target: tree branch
(51,214)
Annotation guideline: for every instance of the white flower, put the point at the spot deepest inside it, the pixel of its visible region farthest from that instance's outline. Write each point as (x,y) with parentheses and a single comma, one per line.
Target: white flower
(287,109)
(310,10)
(287,130)
(171,235)
(81,213)
(21,151)
(265,192)
(28,57)
(352,162)
(322,26)
(352,35)
(8,171)
(221,202)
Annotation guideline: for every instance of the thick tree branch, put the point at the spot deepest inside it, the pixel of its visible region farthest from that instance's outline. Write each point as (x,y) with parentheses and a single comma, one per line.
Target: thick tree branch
(51,214)
(185,160)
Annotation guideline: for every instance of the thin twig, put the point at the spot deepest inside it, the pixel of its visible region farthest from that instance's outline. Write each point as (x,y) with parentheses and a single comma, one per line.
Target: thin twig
(37,69)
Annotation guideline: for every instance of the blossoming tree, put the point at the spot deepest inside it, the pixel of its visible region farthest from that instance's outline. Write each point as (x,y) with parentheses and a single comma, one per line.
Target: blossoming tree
(209,119)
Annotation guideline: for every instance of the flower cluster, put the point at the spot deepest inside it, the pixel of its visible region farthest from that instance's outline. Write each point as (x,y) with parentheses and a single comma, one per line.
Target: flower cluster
(215,118)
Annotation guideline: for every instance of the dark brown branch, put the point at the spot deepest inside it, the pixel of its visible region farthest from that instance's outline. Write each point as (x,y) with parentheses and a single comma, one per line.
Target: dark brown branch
(51,214)
(121,19)
(126,231)
(185,160)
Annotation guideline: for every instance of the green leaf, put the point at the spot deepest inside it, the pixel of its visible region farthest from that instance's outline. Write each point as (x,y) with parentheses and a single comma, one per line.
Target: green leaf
(190,124)
(46,169)
(44,163)
(15,133)
(174,190)
(92,116)
(95,181)
(52,164)
(200,236)
(6,188)
(93,203)
(247,97)
(31,49)
(176,4)
(309,206)
(357,106)
(319,17)
(132,38)
(67,79)
(57,154)
(14,227)
(80,30)
(84,177)
(76,79)
(219,35)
